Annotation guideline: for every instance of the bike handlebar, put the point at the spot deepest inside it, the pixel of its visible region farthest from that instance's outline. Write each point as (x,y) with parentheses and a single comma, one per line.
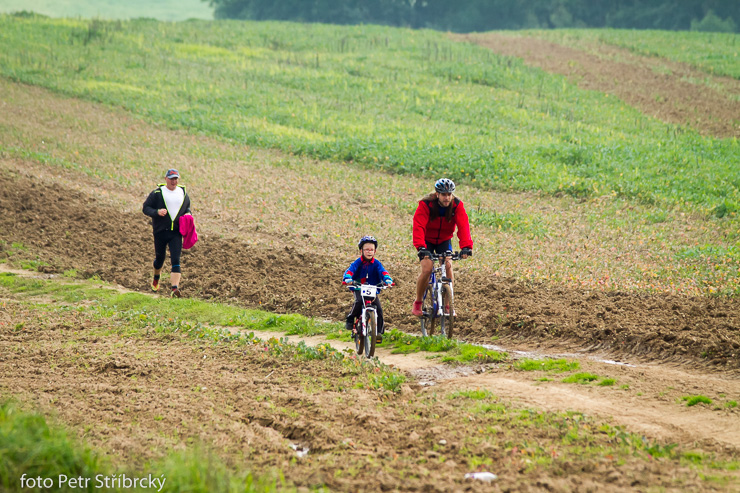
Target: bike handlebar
(382,285)
(358,284)
(454,256)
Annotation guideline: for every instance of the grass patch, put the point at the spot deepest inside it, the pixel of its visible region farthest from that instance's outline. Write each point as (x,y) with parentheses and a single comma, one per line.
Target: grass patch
(30,446)
(528,225)
(607,382)
(469,353)
(693,400)
(582,378)
(551,365)
(455,351)
(32,264)
(476,395)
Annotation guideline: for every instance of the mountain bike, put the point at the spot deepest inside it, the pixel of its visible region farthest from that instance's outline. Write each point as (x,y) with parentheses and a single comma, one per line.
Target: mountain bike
(439,299)
(366,326)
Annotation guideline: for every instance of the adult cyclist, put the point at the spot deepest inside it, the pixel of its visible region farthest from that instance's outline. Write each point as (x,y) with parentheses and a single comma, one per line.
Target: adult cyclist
(435,220)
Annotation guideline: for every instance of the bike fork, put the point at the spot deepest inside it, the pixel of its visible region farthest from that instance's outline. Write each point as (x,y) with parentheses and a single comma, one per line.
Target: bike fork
(440,308)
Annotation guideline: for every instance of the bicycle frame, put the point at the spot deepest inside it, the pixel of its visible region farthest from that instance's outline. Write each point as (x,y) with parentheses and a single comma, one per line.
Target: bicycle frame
(368,293)
(438,282)
(365,338)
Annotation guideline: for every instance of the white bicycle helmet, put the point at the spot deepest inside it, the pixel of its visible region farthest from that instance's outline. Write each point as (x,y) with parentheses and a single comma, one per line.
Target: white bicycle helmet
(444,185)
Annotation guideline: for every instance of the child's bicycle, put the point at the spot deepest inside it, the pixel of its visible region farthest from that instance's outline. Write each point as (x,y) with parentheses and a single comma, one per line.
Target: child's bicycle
(366,327)
(439,299)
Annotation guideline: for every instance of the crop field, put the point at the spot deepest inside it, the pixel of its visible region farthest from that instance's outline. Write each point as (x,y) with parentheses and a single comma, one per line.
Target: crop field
(713,53)
(163,10)
(597,331)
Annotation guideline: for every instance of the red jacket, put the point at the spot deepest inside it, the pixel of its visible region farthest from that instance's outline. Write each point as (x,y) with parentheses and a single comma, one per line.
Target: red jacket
(429,227)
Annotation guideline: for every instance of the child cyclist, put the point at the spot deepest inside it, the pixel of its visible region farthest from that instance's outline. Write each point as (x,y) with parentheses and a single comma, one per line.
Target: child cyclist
(367,270)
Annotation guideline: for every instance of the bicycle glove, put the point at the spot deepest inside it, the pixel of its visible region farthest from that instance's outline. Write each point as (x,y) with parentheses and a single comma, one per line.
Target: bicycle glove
(424,253)
(347,280)
(388,280)
(467,251)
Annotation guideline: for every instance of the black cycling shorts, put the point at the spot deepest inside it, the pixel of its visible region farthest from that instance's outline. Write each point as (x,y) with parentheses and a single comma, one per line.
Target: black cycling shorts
(445,246)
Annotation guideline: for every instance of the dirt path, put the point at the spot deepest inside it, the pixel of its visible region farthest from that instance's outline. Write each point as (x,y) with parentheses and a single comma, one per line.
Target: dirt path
(657,87)
(651,405)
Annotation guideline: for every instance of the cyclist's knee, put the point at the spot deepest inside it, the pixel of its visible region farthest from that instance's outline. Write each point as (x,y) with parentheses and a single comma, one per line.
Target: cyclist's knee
(426,267)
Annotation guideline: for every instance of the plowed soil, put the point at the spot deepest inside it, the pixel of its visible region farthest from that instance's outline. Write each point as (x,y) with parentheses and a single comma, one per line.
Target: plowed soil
(69,229)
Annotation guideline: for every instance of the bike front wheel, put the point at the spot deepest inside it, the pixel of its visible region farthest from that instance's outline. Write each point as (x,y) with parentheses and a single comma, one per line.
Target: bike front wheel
(446,325)
(428,313)
(357,336)
(371,330)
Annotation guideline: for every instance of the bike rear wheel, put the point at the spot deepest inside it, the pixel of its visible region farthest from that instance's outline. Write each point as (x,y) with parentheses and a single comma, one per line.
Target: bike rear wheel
(428,313)
(447,323)
(371,330)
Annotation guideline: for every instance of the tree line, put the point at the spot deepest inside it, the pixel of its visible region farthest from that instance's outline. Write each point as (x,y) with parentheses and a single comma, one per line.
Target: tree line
(487,15)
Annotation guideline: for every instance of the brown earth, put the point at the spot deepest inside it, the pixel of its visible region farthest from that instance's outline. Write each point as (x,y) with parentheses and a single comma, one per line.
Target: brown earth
(136,397)
(66,229)
(657,87)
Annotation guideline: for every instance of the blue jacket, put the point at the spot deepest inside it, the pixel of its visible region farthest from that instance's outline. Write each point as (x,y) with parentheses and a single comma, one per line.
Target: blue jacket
(371,272)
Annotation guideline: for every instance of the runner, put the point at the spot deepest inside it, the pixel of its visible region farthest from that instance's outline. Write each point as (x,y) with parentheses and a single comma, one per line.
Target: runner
(165,205)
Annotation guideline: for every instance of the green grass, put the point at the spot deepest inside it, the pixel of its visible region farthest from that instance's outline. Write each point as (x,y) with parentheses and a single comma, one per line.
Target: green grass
(582,378)
(163,10)
(32,447)
(469,353)
(476,395)
(693,400)
(576,434)
(552,365)
(455,351)
(527,225)
(395,99)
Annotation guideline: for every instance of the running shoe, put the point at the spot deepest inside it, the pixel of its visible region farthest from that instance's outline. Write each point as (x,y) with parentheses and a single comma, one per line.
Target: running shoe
(175,293)
(416,310)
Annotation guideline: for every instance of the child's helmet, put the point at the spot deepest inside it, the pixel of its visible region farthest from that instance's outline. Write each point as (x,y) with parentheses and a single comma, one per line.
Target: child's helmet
(367,239)
(444,185)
